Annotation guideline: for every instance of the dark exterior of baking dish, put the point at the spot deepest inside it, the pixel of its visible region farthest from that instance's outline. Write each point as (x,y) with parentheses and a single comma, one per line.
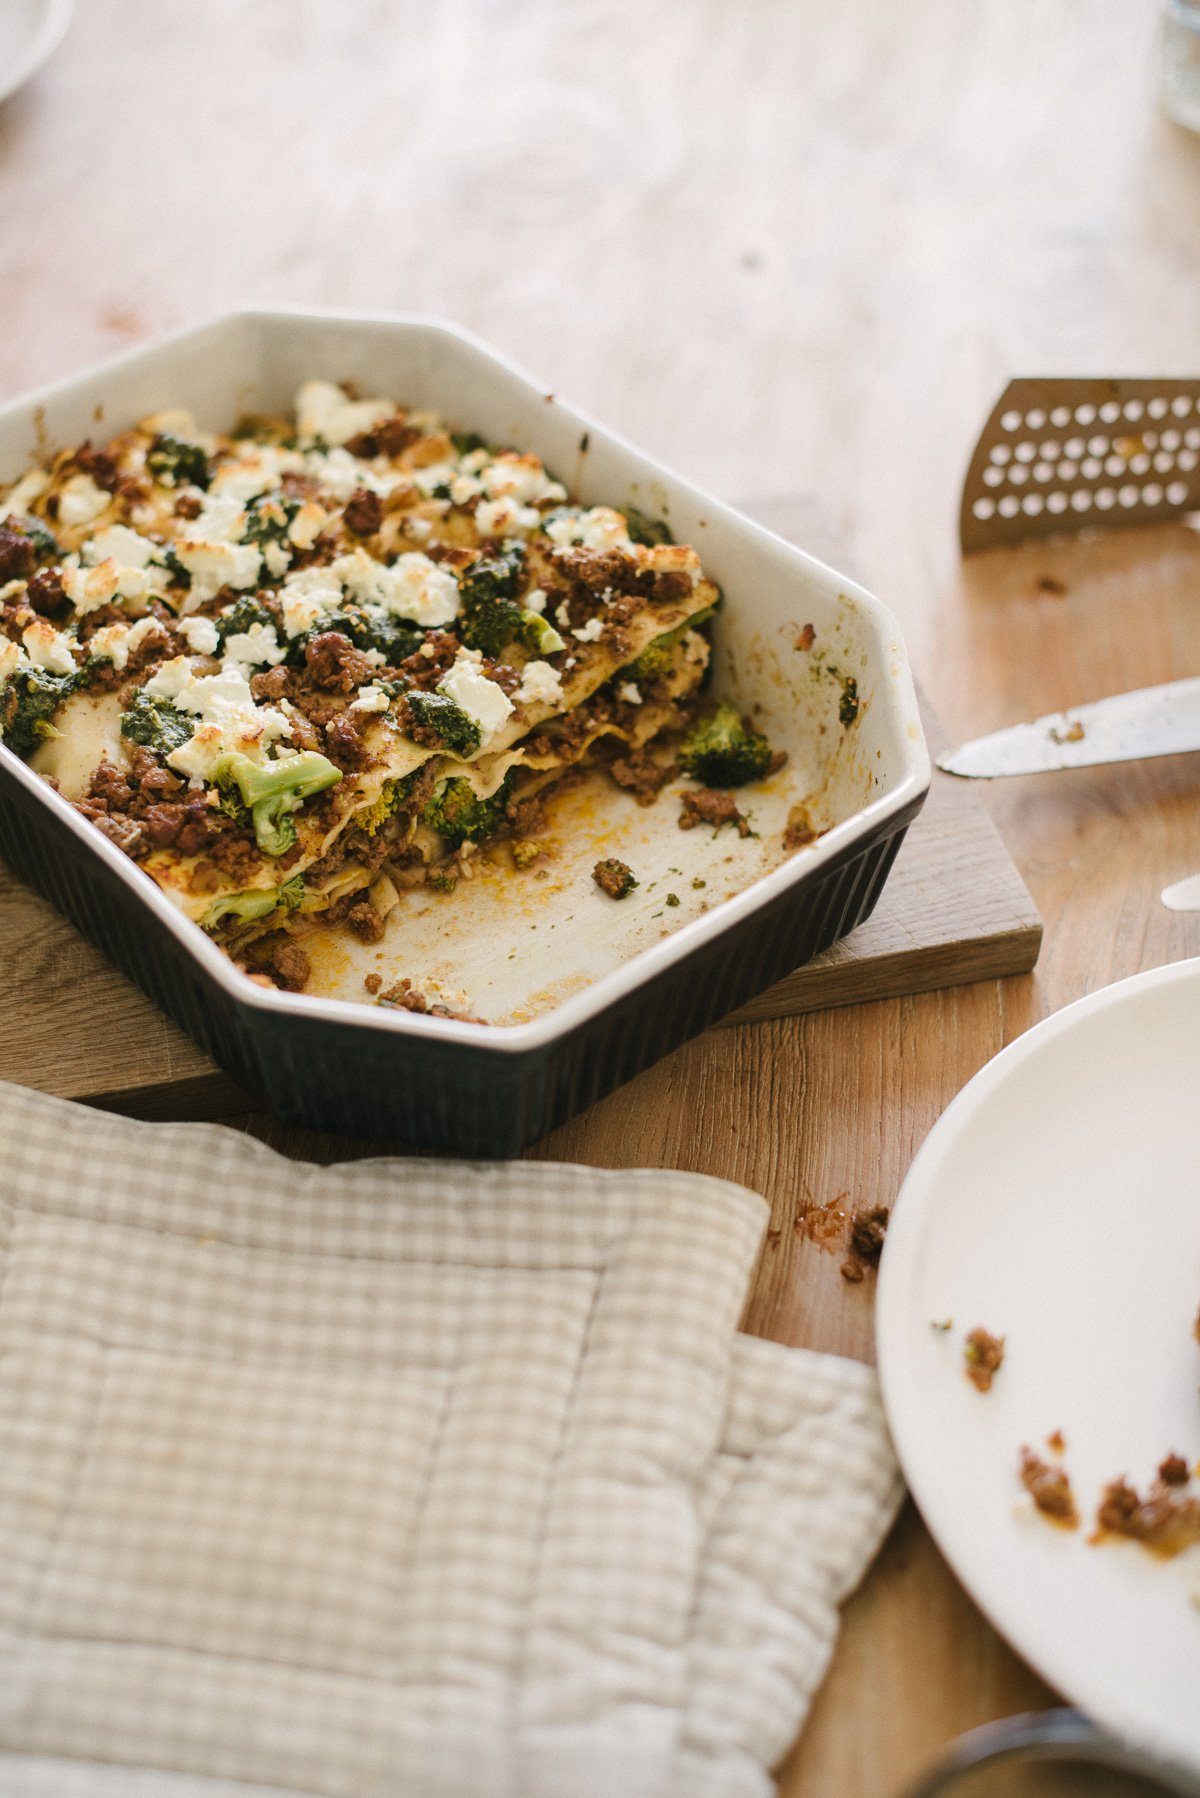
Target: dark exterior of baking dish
(422,1091)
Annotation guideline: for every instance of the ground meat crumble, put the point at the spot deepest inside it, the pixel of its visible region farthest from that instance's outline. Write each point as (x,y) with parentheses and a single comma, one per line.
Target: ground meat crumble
(1166,1520)
(983,1356)
(865,1233)
(1050,1489)
(708,806)
(614,878)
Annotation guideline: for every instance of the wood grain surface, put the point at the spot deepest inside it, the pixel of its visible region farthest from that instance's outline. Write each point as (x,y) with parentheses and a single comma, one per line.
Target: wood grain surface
(788,247)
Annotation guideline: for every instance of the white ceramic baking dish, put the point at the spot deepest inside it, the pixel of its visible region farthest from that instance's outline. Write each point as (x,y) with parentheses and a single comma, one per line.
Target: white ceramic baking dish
(622,985)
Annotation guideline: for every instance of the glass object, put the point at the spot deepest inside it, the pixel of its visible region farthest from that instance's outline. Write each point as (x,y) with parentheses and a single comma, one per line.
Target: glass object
(1050,1754)
(1179,67)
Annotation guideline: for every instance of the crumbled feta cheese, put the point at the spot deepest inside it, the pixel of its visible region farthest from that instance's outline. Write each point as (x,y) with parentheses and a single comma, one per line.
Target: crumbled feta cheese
(257,647)
(483,700)
(229,718)
(521,478)
(31,486)
(259,468)
(418,527)
(80,500)
(116,642)
(121,544)
(630,693)
(170,680)
(308,524)
(600,528)
(127,556)
(323,410)
(371,699)
(540,684)
(411,587)
(216,565)
(535,601)
(589,632)
(438,474)
(201,635)
(505,518)
(89,588)
(562,612)
(221,519)
(48,648)
(305,596)
(340,474)
(278,559)
(464,488)
(11,659)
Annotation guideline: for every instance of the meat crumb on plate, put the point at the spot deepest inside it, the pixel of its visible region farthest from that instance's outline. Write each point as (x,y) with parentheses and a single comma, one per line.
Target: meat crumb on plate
(1166,1520)
(1049,1488)
(983,1356)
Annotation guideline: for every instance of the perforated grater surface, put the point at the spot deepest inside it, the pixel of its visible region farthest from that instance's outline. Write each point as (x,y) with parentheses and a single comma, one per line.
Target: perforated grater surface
(1059,455)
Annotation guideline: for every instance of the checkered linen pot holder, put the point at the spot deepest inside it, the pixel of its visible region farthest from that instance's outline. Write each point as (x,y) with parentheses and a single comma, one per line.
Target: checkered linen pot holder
(402,1477)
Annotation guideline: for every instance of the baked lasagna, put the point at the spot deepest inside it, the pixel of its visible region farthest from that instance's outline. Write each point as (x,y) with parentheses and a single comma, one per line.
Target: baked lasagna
(298,669)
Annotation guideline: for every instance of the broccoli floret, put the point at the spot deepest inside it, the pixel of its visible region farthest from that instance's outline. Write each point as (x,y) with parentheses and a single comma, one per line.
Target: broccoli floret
(457,813)
(490,615)
(646,530)
(654,661)
(466,441)
(241,616)
(267,519)
(246,907)
(385,807)
(721,751)
(31,698)
(454,728)
(274,790)
(657,657)
(156,724)
(174,463)
(539,635)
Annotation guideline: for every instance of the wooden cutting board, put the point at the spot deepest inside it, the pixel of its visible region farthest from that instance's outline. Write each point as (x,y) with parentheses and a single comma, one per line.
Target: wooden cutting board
(954,910)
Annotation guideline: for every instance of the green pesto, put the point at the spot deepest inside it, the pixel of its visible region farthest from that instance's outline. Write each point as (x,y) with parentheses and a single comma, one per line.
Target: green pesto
(174,463)
(156,724)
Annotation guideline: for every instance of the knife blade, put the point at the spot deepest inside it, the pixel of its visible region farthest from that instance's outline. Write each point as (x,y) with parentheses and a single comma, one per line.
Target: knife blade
(1127,727)
(1184,895)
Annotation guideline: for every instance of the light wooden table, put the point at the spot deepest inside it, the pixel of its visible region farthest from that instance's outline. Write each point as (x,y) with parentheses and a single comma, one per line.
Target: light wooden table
(789,247)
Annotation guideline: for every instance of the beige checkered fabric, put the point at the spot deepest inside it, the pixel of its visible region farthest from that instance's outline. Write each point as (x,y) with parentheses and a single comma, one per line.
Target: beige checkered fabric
(402,1477)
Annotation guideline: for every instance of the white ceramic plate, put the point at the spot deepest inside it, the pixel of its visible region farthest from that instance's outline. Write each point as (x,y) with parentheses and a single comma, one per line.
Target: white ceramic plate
(30,30)
(1057,1203)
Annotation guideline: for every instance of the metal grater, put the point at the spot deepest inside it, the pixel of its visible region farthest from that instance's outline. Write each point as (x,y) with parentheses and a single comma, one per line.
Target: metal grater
(1061,455)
